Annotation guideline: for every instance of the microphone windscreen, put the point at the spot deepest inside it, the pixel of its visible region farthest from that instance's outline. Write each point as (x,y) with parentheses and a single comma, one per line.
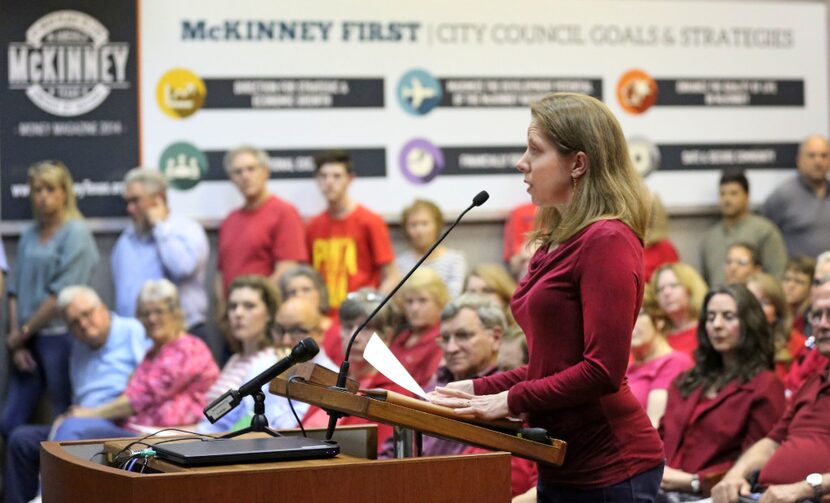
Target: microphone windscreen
(481,198)
(305,350)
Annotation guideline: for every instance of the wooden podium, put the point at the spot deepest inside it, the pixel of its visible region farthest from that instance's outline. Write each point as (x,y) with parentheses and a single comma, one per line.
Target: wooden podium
(352,477)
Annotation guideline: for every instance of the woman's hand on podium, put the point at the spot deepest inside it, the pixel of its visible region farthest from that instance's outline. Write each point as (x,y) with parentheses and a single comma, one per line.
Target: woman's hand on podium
(464,402)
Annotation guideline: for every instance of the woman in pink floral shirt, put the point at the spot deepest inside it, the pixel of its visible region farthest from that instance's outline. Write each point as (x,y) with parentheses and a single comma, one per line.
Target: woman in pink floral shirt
(167,388)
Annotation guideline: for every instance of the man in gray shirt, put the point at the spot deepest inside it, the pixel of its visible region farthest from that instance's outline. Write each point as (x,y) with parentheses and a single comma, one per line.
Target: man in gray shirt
(739,225)
(800,206)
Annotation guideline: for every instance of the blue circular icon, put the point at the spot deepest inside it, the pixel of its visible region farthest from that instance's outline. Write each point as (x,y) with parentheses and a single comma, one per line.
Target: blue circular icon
(421,161)
(419,92)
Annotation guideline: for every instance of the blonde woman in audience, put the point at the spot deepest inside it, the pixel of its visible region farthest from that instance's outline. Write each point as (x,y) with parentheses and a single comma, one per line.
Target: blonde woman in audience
(167,388)
(654,364)
(680,291)
(424,297)
(789,343)
(658,248)
(423,222)
(56,251)
(742,261)
(251,306)
(494,281)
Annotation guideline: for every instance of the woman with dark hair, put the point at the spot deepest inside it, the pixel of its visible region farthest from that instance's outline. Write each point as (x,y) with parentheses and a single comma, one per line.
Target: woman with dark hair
(730,399)
(577,305)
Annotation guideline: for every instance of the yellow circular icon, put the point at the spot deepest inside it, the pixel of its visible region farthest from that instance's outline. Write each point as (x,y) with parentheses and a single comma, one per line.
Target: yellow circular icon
(180,93)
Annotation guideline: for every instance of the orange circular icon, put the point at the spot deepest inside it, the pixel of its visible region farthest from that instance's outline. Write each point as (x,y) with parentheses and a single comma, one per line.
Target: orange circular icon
(636,91)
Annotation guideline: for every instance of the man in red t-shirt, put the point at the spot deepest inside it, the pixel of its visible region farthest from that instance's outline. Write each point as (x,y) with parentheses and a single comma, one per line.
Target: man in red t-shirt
(794,458)
(265,236)
(349,244)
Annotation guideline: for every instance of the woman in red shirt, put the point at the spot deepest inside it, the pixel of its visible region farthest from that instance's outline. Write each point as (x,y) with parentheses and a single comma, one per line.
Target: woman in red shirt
(680,291)
(577,305)
(728,401)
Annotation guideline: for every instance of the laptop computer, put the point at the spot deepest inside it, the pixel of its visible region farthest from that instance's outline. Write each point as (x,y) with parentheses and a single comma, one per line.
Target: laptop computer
(245,450)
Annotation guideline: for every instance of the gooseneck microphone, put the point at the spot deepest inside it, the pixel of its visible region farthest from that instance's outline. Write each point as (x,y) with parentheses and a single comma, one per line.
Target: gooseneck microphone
(478,200)
(302,352)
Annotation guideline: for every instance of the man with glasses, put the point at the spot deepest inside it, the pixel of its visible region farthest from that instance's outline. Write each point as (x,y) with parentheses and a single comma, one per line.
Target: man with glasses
(793,461)
(266,235)
(159,244)
(739,224)
(105,351)
(297,318)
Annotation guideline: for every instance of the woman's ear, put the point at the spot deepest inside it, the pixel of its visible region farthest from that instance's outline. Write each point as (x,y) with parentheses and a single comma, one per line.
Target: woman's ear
(580,166)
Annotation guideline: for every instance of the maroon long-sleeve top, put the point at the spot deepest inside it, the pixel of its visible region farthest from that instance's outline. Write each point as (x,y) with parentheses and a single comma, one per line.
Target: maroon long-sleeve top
(577,306)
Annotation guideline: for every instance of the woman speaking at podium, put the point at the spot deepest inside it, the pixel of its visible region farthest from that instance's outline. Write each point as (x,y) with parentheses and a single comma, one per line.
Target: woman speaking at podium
(577,305)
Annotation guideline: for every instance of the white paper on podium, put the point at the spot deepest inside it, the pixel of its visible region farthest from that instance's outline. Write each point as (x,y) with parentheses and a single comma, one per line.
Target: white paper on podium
(379,356)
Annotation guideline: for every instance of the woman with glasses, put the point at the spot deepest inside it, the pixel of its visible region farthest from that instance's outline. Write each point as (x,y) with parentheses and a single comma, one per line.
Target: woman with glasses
(577,305)
(680,291)
(167,388)
(56,251)
(304,281)
(729,400)
(742,261)
(250,311)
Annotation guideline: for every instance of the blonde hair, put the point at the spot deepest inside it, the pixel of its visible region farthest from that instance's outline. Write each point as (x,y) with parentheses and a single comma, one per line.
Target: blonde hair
(783,325)
(658,222)
(432,210)
(610,188)
(56,175)
(496,278)
(429,282)
(687,276)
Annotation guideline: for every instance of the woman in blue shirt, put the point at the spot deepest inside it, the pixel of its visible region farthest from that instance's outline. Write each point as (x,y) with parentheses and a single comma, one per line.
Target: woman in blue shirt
(56,251)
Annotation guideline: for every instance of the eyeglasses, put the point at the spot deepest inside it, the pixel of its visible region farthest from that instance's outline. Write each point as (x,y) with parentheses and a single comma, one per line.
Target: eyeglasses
(82,316)
(149,313)
(460,336)
(294,332)
(816,315)
(738,261)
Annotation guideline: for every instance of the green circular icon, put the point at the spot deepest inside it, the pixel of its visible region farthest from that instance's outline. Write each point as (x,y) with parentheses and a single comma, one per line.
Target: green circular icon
(184,165)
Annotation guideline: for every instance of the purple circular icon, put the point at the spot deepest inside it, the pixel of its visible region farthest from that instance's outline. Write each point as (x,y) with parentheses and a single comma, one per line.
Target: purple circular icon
(421,161)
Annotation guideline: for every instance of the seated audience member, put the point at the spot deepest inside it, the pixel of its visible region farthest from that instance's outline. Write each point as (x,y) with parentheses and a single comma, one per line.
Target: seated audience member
(517,251)
(265,236)
(513,352)
(680,291)
(251,307)
(728,401)
(658,248)
(809,361)
(167,388)
(742,261)
(423,222)
(106,349)
(788,341)
(800,206)
(798,277)
(297,318)
(349,243)
(4,266)
(424,296)
(354,311)
(471,331)
(654,363)
(794,457)
(739,225)
(157,244)
(494,281)
(304,281)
